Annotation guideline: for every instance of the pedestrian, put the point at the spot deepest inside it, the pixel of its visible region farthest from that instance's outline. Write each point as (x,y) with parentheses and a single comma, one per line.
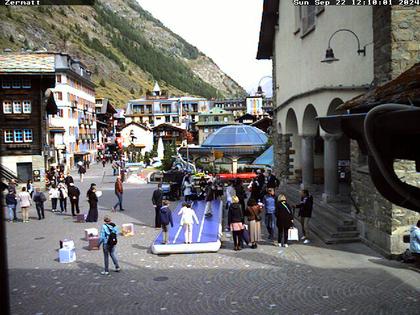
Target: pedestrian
(210,196)
(284,220)
(114,168)
(62,188)
(236,220)
(254,188)
(103,162)
(157,199)
(11,203)
(54,195)
(30,187)
(219,188)
(230,192)
(74,195)
(415,240)
(241,194)
(39,199)
(12,186)
(81,171)
(25,201)
(262,184)
(165,220)
(68,179)
(272,181)
(269,202)
(188,217)
(305,213)
(108,239)
(187,189)
(87,164)
(119,193)
(93,204)
(254,218)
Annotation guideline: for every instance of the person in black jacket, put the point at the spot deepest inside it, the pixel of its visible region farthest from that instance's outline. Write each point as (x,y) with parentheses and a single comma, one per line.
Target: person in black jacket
(39,199)
(272,181)
(93,204)
(284,219)
(236,220)
(241,193)
(165,219)
(74,194)
(210,196)
(157,199)
(305,212)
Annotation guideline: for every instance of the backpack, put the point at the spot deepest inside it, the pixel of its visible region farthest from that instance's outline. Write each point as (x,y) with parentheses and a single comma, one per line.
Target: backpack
(112,238)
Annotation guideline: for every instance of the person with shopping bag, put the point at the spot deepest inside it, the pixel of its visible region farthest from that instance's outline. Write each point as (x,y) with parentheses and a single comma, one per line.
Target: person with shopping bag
(284,220)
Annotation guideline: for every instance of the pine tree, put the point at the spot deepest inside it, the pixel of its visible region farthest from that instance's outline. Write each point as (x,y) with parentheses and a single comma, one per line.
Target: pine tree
(11,39)
(132,91)
(102,83)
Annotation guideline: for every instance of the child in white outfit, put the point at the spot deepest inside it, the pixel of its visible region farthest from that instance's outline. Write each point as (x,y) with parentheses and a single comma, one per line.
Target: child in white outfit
(187,221)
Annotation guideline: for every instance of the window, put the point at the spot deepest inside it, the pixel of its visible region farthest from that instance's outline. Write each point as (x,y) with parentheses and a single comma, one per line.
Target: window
(18,135)
(7,107)
(58,78)
(17,107)
(167,119)
(216,118)
(27,107)
(27,135)
(6,84)
(59,96)
(8,136)
(225,119)
(16,83)
(206,130)
(307,18)
(26,83)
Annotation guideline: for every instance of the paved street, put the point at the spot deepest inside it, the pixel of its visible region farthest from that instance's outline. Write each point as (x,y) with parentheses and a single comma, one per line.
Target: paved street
(301,279)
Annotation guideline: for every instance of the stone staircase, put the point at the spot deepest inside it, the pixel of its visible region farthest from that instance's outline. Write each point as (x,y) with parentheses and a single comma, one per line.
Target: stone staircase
(329,221)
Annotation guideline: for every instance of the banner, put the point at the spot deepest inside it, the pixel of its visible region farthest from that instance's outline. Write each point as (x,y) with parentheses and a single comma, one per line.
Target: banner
(254,106)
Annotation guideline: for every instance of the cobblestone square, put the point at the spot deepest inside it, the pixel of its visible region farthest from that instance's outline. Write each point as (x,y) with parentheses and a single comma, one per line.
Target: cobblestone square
(300,279)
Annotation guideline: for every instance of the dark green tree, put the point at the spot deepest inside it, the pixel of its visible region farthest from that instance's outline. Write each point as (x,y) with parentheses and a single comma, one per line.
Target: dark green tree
(11,39)
(102,83)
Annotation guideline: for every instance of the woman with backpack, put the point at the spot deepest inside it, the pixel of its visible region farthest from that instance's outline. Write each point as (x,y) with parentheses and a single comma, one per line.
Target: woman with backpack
(108,239)
(236,221)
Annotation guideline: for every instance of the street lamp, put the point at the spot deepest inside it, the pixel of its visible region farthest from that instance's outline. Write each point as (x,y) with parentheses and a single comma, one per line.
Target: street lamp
(259,89)
(329,53)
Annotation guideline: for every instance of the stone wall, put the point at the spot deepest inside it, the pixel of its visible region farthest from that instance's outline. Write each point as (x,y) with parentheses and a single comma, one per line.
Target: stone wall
(396,48)
(281,147)
(405,38)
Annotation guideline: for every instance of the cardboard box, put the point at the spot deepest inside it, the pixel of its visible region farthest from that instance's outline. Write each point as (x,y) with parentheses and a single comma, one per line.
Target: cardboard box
(90,233)
(127,229)
(94,243)
(67,255)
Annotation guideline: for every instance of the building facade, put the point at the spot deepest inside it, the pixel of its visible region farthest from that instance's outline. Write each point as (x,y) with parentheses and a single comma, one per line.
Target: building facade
(26,146)
(138,136)
(330,164)
(212,120)
(156,110)
(74,93)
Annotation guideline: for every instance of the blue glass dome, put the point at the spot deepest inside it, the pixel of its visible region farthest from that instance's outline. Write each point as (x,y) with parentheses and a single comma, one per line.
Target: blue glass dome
(236,135)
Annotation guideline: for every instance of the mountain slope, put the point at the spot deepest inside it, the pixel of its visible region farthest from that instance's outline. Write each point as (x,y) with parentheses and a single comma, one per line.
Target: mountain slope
(124,45)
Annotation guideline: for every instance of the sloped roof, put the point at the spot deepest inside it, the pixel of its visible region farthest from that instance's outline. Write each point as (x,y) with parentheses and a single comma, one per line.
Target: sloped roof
(136,124)
(266,158)
(236,135)
(27,63)
(269,21)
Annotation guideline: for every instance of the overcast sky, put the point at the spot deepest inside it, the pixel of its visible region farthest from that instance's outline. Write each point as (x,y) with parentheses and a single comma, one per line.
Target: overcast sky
(225,30)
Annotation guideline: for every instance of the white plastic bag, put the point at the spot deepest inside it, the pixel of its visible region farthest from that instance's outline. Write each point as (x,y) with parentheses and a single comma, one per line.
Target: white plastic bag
(293,234)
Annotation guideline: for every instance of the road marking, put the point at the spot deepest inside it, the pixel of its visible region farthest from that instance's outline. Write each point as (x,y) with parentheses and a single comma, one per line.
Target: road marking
(177,234)
(201,226)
